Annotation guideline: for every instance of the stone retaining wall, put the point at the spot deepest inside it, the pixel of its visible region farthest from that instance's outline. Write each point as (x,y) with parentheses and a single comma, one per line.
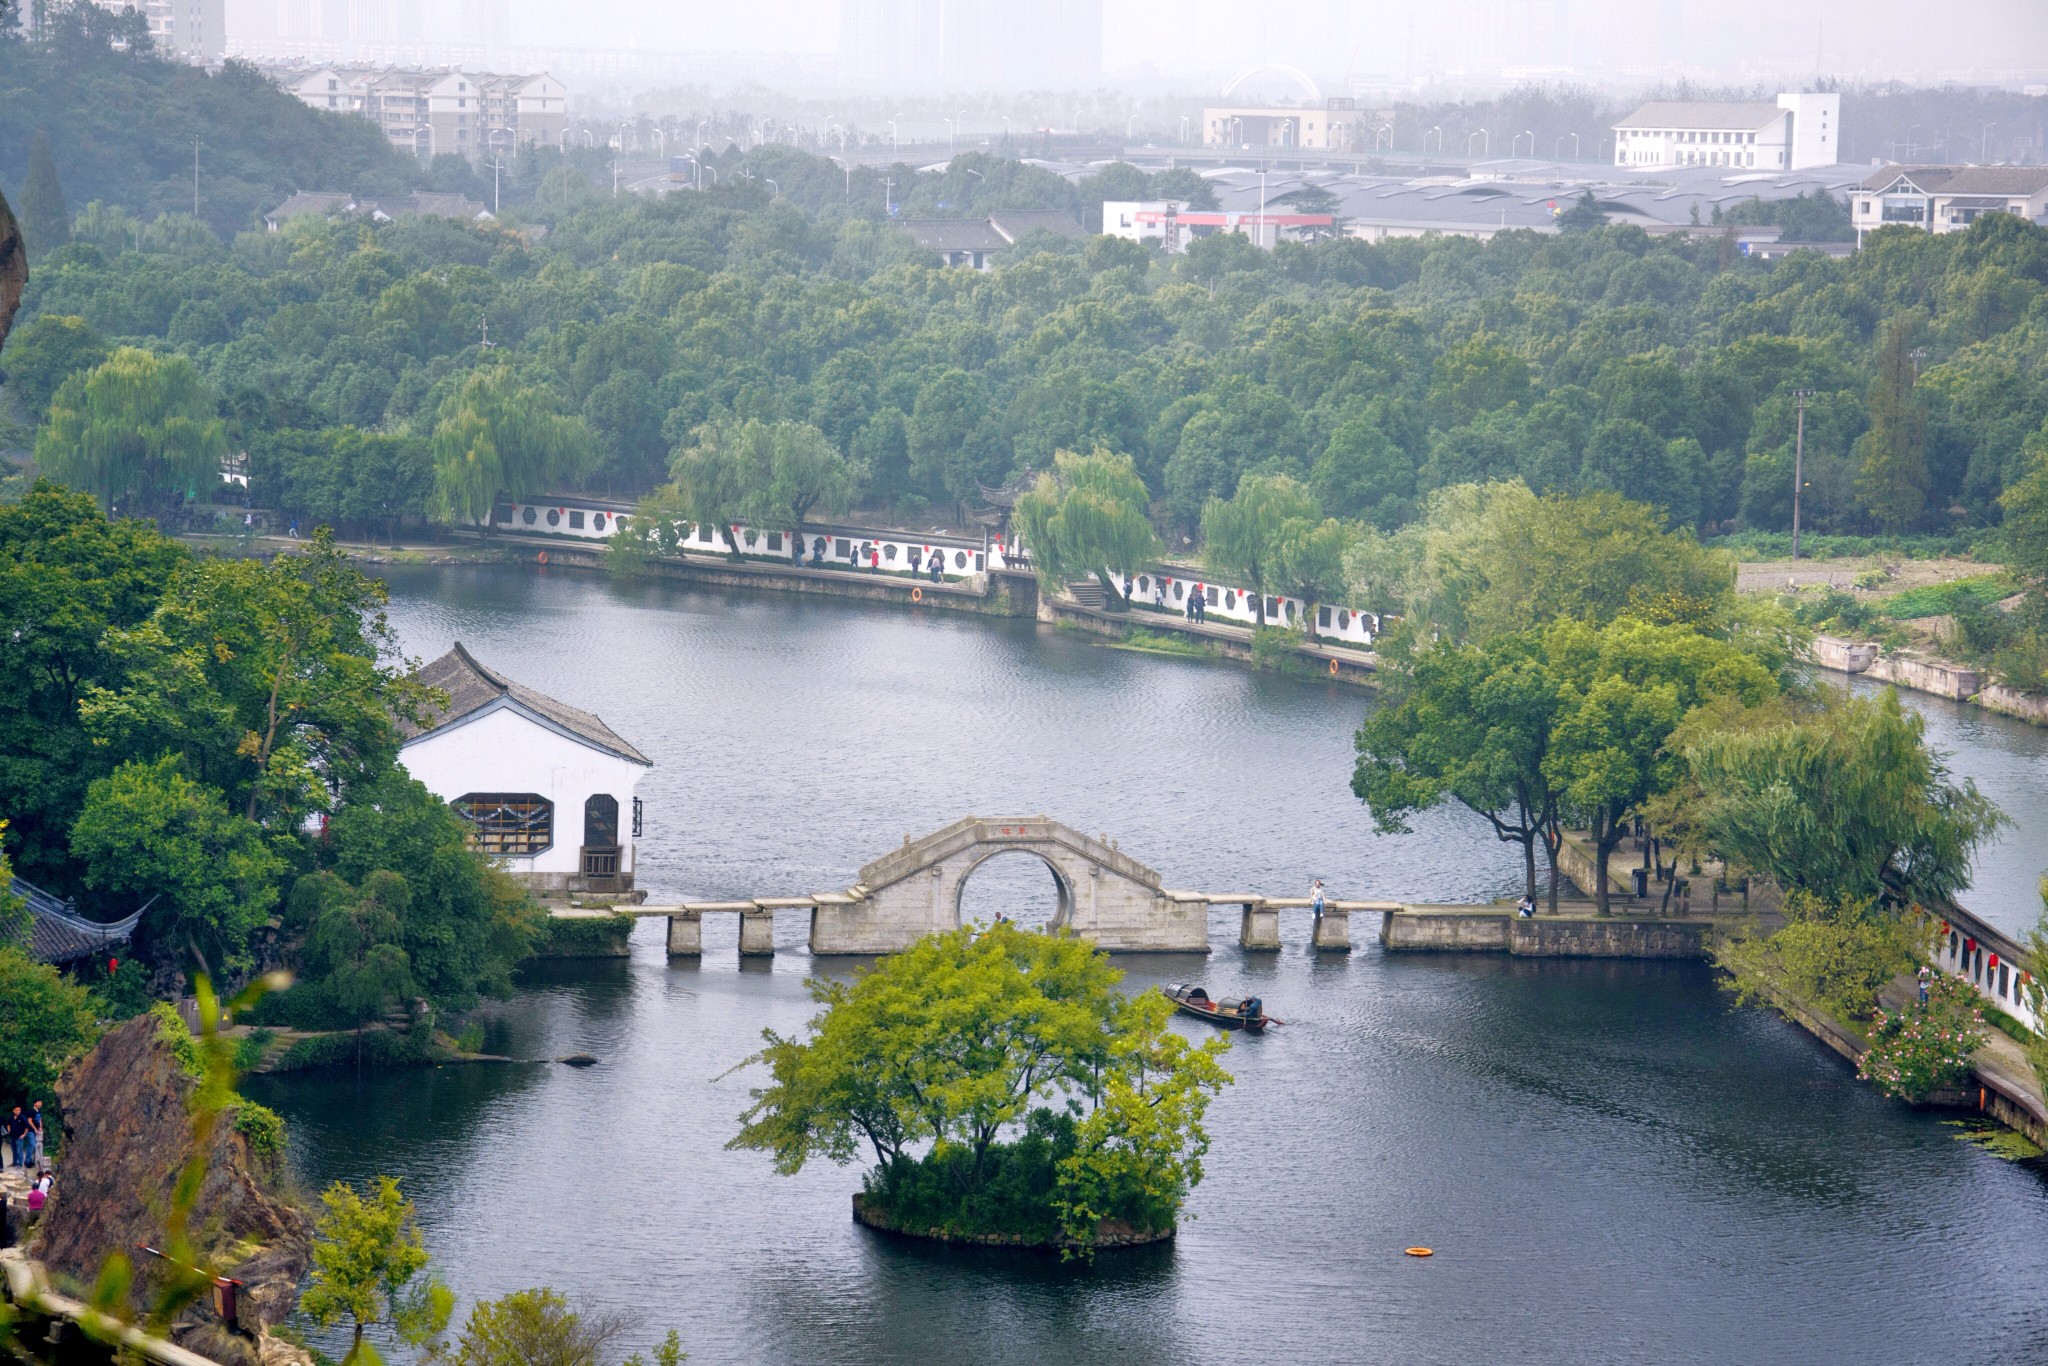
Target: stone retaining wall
(1417,929)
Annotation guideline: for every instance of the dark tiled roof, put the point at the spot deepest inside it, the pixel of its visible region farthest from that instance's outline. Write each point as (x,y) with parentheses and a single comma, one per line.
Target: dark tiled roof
(58,934)
(955,234)
(2005,180)
(1745,115)
(1014,223)
(471,687)
(1927,178)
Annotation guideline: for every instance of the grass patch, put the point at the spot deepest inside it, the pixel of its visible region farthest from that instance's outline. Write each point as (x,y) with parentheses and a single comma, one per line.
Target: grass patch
(1996,1139)
(1777,545)
(1151,642)
(1973,594)
(2008,1026)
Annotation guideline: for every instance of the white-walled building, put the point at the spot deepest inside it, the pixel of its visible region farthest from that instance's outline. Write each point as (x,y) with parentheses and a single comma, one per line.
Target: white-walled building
(1797,132)
(431,111)
(1172,224)
(194,31)
(1947,198)
(546,789)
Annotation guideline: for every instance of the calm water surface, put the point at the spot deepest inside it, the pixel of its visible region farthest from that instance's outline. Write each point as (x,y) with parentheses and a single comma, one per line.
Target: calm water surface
(1612,1164)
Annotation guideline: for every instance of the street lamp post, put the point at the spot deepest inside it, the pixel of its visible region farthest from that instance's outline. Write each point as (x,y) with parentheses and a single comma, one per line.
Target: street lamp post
(1984,153)
(1482,133)
(776,190)
(1438,130)
(892,133)
(1798,464)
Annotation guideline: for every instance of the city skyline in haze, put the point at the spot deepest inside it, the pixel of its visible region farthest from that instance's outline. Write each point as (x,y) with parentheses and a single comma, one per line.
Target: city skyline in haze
(1337,43)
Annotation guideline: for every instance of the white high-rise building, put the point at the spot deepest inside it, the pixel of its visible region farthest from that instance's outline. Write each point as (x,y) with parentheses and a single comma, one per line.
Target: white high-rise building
(194,31)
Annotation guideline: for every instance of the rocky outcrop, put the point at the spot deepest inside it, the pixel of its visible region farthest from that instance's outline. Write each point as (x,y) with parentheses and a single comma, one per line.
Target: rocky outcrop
(127,1135)
(13,268)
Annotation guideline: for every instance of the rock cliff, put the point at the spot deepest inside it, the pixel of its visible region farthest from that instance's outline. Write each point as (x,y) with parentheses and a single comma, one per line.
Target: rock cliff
(127,1135)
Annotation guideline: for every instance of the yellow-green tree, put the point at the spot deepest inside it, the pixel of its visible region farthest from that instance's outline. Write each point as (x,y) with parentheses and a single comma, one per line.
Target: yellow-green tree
(495,435)
(368,1265)
(139,427)
(1251,534)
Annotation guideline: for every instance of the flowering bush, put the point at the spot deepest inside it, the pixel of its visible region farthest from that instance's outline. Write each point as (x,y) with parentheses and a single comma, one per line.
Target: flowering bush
(1920,1049)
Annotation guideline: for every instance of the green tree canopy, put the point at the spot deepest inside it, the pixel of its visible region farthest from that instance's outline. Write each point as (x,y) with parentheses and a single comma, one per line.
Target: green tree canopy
(1251,534)
(960,1039)
(369,1269)
(140,427)
(43,354)
(1891,476)
(495,435)
(45,215)
(1846,804)
(1087,516)
(148,831)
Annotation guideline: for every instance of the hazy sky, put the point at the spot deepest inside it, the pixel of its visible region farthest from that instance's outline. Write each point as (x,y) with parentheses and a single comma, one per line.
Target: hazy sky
(1863,39)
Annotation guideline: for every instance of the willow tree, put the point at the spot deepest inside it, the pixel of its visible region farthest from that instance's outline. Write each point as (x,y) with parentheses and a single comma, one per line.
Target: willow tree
(1087,515)
(496,436)
(140,426)
(1249,535)
(719,478)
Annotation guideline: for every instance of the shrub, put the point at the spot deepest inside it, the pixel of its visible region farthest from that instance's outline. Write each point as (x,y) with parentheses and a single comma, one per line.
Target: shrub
(261,1127)
(176,1035)
(1921,1049)
(376,1048)
(250,1048)
(1832,956)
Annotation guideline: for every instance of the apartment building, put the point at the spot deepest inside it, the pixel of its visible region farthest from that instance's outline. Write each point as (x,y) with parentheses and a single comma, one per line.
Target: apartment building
(431,111)
(194,31)
(1798,132)
(1947,198)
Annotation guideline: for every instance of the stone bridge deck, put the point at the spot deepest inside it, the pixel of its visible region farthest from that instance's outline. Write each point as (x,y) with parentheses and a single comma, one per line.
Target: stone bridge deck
(1105,896)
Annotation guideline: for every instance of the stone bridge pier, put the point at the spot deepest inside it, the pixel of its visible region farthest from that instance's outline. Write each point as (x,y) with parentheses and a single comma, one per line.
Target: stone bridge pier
(1104,895)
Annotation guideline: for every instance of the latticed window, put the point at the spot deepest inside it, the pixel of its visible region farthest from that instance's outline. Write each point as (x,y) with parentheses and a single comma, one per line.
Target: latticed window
(508,824)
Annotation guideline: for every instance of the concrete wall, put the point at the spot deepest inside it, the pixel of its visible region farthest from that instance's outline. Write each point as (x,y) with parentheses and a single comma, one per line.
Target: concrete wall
(1927,675)
(1419,929)
(2012,702)
(1849,656)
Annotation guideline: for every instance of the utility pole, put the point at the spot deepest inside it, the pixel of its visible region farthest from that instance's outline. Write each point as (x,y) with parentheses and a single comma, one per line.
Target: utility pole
(195,178)
(1798,464)
(888,204)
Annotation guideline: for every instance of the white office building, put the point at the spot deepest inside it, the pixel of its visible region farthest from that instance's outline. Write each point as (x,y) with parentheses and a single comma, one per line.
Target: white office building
(1796,133)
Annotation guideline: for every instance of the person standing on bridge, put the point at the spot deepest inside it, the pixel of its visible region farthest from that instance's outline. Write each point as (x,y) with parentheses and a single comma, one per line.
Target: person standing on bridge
(1315,897)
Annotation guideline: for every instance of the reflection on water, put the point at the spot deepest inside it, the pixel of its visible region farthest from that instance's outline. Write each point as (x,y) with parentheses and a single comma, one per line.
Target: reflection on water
(1612,1164)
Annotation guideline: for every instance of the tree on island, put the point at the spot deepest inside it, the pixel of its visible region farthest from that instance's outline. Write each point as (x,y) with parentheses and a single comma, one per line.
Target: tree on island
(1004,1088)
(1087,516)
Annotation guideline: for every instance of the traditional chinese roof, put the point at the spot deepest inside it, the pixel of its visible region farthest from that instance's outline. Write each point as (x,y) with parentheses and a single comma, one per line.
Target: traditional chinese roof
(57,933)
(472,690)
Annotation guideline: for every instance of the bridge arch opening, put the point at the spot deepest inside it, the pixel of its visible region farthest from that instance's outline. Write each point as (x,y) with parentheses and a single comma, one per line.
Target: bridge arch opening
(1022,884)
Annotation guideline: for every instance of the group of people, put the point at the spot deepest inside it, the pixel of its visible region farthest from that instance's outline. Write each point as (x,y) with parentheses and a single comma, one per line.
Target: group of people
(25,1135)
(1198,607)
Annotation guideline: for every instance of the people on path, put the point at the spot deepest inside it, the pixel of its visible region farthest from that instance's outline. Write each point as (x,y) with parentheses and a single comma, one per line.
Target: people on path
(39,1196)
(874,558)
(17,1137)
(937,565)
(1315,897)
(1924,975)
(36,1143)
(1526,907)
(796,552)
(1159,595)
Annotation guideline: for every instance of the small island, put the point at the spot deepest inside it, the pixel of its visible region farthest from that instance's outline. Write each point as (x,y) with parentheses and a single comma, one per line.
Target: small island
(1008,1092)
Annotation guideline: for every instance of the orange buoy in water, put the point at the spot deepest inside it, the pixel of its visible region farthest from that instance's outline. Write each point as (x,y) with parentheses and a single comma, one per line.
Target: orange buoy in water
(1419,1251)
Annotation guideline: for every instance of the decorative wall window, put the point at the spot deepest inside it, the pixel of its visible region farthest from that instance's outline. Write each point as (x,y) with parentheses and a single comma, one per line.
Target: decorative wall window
(554,516)
(597,520)
(601,820)
(507,824)
(576,521)
(639,819)
(527,515)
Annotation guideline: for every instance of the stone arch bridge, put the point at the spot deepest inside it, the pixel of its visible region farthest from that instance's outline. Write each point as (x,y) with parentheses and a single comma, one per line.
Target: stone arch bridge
(1105,896)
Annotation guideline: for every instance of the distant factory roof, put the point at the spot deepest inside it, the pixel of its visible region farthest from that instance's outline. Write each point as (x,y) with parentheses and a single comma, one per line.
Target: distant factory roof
(329,203)
(1014,223)
(472,689)
(955,234)
(1743,114)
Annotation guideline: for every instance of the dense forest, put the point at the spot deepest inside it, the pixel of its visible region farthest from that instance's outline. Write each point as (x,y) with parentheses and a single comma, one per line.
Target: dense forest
(336,353)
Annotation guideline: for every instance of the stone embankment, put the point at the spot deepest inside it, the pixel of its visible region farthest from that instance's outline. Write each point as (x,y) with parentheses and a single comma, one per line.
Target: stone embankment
(1110,1234)
(1923,673)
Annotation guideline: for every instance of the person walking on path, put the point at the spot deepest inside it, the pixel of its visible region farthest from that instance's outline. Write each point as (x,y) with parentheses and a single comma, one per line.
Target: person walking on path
(36,1142)
(937,565)
(17,1137)
(874,558)
(1924,975)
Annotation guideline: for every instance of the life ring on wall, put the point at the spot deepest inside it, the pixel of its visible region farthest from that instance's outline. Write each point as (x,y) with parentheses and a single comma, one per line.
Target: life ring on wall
(1333,668)
(917,595)
(541,558)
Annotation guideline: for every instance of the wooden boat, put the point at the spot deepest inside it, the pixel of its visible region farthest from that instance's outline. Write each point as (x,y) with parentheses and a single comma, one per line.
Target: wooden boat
(1230,1012)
